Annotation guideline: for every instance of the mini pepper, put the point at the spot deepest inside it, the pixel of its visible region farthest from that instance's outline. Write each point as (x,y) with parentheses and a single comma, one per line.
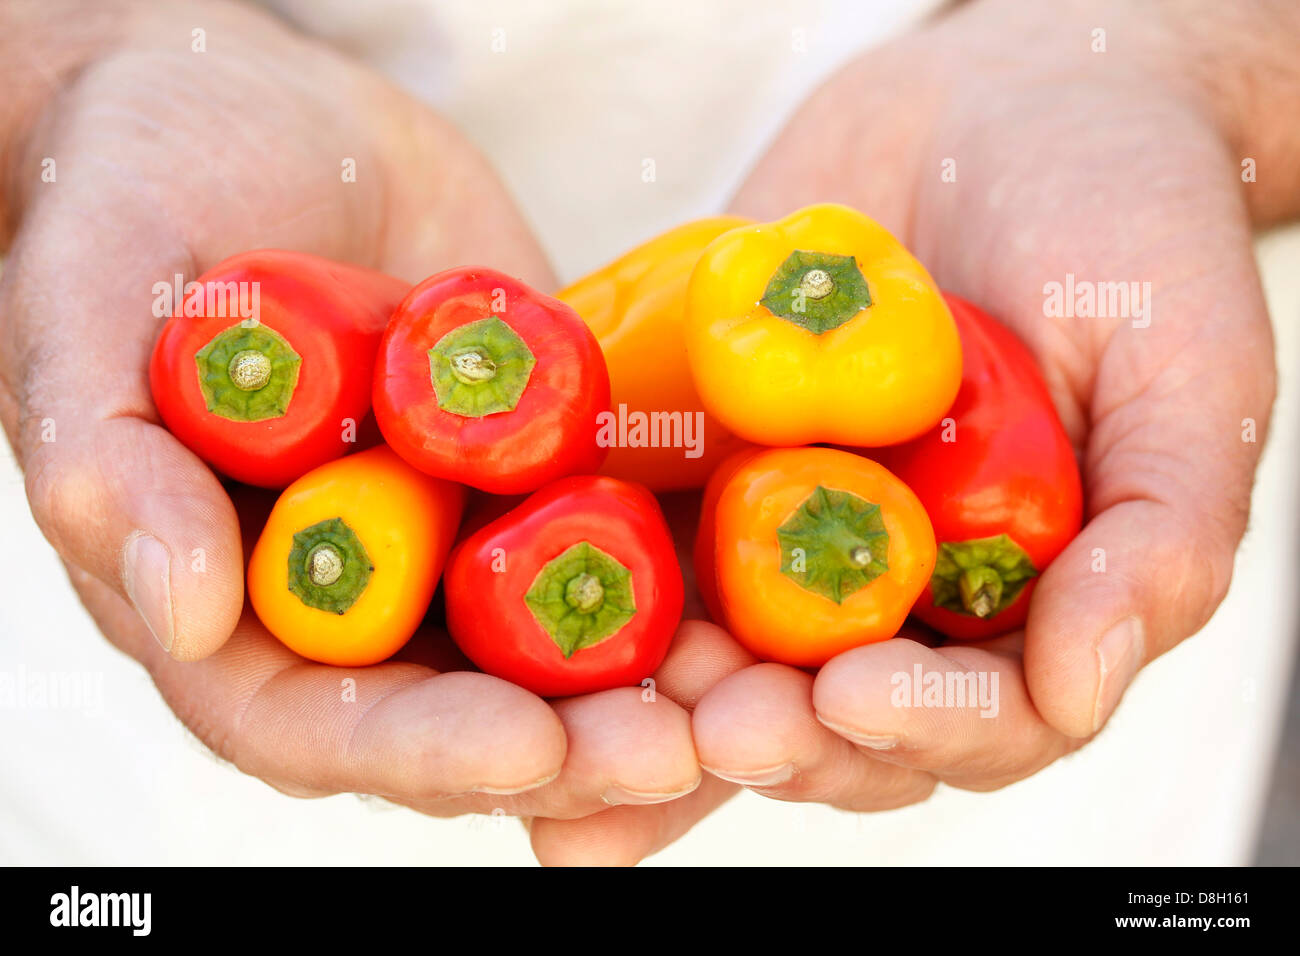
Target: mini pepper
(703,555)
(636,306)
(483,380)
(574,591)
(816,551)
(347,563)
(819,328)
(999,480)
(264,398)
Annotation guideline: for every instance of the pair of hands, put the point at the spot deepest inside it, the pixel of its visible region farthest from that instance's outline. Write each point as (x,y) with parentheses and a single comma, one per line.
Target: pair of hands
(242,146)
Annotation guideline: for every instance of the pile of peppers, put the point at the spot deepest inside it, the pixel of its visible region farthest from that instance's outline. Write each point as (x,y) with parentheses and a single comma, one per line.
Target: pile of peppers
(865,449)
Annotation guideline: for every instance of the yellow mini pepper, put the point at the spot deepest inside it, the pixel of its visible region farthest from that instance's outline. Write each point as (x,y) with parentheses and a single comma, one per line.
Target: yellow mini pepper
(636,306)
(348,561)
(820,328)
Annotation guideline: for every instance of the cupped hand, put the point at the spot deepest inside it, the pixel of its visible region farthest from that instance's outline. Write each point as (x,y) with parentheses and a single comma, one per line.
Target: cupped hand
(1009,156)
(166,159)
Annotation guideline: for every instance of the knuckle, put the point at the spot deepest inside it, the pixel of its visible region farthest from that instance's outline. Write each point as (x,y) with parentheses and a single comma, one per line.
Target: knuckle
(55,486)
(1203,559)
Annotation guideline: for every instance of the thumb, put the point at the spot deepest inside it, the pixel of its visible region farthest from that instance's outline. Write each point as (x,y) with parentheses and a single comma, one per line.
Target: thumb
(1178,413)
(113,492)
(1169,397)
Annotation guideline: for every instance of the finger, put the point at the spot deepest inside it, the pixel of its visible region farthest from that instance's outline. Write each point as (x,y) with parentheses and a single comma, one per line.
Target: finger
(112,491)
(1176,395)
(1139,579)
(623,836)
(1179,415)
(1173,386)
(632,745)
(396,730)
(626,747)
(701,655)
(961,712)
(758,728)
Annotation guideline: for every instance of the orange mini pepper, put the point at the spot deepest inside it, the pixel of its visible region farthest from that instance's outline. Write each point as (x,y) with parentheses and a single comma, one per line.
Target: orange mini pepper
(817,551)
(703,555)
(635,306)
(352,551)
(820,328)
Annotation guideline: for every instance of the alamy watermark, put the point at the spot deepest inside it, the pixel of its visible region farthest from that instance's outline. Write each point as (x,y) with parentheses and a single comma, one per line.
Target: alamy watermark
(637,429)
(234,300)
(129,910)
(921,688)
(52,690)
(1083,299)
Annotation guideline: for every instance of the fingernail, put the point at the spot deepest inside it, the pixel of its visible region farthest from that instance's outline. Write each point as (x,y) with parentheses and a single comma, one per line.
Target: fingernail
(871,741)
(771,777)
(617,796)
(511,791)
(1119,655)
(148,581)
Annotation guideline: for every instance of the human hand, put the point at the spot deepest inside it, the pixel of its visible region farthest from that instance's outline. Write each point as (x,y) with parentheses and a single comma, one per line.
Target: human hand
(1122,166)
(166,161)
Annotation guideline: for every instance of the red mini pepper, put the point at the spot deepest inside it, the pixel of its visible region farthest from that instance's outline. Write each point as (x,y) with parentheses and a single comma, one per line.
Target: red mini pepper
(264,368)
(485,381)
(998,478)
(576,590)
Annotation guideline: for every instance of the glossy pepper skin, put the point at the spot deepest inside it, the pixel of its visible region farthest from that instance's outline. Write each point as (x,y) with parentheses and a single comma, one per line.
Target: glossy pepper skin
(817,551)
(349,558)
(1007,469)
(702,555)
(576,590)
(636,306)
(268,403)
(483,380)
(819,328)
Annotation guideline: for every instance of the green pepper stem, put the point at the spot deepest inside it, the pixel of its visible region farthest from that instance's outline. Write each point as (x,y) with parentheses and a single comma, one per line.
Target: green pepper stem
(816,284)
(324,565)
(480,368)
(584,593)
(247,374)
(834,544)
(471,366)
(249,370)
(981,577)
(817,291)
(329,567)
(581,597)
(981,590)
